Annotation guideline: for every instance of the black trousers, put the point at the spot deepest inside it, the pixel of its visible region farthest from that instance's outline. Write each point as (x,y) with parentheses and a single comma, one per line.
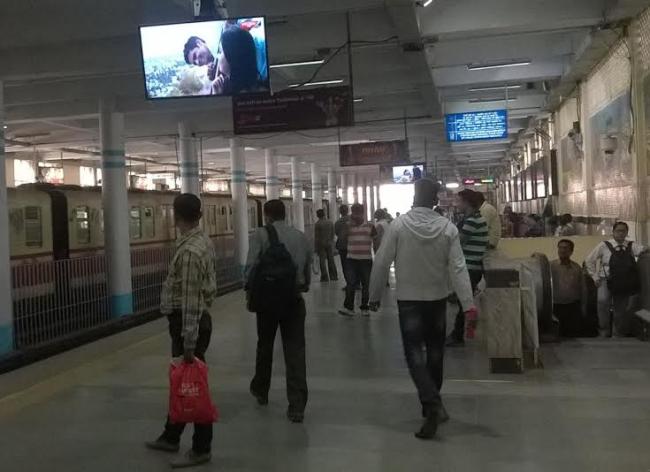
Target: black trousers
(570,317)
(326,259)
(202,439)
(358,272)
(292,330)
(458,333)
(423,325)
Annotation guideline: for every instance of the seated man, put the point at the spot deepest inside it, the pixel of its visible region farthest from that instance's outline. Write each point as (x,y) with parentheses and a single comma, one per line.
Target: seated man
(567,290)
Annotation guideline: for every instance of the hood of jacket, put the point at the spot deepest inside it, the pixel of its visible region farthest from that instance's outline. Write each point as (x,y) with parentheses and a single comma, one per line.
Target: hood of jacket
(424,223)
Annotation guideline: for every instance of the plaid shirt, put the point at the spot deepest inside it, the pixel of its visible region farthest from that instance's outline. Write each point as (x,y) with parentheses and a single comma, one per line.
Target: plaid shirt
(191,284)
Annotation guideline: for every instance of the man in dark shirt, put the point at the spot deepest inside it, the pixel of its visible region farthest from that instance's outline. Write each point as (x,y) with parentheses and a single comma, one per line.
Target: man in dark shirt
(323,242)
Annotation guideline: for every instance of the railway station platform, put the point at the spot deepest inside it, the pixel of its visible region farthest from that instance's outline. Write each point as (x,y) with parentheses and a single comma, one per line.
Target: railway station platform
(91,409)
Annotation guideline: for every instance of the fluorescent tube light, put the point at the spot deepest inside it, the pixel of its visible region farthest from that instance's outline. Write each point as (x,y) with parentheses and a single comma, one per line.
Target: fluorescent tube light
(499,87)
(497,65)
(452,185)
(358,100)
(491,100)
(313,84)
(297,64)
(427,3)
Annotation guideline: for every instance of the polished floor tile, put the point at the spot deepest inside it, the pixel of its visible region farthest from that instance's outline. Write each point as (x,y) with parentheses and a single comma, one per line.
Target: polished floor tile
(91,409)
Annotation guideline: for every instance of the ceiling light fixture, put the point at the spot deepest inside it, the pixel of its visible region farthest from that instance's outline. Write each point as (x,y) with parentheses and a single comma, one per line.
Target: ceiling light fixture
(499,87)
(358,100)
(452,185)
(297,64)
(314,84)
(498,65)
(427,3)
(494,99)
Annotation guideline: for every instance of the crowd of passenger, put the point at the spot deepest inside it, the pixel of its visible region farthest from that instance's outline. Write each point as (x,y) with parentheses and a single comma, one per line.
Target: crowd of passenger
(437,262)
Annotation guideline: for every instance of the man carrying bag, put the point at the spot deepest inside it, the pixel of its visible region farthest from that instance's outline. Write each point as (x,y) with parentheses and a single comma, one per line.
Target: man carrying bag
(187,294)
(278,270)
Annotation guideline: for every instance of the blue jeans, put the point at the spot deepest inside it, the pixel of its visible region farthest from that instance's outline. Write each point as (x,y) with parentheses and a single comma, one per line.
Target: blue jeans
(357,272)
(424,325)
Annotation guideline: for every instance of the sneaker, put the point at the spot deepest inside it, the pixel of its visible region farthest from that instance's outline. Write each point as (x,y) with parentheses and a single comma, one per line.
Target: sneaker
(346,312)
(191,459)
(443,416)
(365,313)
(429,428)
(162,445)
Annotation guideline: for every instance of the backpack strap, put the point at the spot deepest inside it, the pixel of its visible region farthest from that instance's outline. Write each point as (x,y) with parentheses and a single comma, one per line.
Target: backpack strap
(273,235)
(630,247)
(610,247)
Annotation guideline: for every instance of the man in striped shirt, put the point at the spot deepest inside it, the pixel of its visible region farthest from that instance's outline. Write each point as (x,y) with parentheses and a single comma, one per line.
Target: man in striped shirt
(474,240)
(187,294)
(361,235)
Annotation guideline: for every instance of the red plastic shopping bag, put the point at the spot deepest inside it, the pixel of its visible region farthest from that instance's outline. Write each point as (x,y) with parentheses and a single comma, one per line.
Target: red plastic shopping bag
(189,394)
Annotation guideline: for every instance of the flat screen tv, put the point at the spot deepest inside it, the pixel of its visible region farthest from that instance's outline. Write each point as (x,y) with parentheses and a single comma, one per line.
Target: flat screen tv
(477,125)
(205,58)
(407,174)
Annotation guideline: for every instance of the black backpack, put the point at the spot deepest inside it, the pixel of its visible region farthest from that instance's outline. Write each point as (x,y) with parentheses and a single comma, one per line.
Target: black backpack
(272,283)
(623,271)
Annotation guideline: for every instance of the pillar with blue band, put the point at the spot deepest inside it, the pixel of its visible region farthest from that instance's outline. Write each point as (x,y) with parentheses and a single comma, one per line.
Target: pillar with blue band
(239,200)
(6,307)
(116,211)
(188,160)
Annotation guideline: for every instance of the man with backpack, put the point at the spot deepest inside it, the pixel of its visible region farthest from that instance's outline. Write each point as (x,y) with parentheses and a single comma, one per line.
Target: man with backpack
(278,270)
(613,267)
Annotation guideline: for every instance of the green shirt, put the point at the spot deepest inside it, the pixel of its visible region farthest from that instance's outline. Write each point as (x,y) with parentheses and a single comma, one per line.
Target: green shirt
(474,240)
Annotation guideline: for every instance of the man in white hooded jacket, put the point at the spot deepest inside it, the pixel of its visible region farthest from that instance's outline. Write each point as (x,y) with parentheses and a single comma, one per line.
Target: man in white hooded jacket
(428,261)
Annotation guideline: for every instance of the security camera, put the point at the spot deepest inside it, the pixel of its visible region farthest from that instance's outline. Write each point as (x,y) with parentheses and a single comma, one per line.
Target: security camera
(197,7)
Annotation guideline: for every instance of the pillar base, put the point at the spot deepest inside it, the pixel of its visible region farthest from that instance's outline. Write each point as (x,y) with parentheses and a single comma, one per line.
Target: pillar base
(6,339)
(121,305)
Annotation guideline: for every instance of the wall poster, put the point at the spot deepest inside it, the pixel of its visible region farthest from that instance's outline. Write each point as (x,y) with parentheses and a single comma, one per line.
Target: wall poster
(611,143)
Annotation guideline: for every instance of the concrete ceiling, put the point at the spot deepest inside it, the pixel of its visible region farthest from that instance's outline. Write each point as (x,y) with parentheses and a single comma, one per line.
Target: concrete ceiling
(61,56)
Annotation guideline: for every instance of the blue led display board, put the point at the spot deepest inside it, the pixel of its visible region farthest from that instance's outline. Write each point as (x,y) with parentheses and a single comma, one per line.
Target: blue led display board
(476,125)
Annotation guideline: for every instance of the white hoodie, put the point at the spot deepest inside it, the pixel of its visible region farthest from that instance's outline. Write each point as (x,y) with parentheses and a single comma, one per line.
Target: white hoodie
(428,259)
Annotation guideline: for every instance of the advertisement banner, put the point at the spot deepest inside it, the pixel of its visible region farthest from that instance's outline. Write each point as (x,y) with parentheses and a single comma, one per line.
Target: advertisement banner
(377,153)
(293,110)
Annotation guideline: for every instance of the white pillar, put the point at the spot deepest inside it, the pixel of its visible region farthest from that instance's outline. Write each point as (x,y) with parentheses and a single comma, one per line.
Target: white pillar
(344,189)
(239,200)
(331,188)
(272,179)
(296,192)
(10,176)
(355,191)
(116,210)
(6,306)
(316,188)
(189,161)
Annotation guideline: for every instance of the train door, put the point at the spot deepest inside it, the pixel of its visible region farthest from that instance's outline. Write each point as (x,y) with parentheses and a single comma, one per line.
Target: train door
(60,230)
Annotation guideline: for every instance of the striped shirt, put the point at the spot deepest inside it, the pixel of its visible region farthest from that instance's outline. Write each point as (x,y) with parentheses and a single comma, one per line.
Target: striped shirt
(191,284)
(360,238)
(474,240)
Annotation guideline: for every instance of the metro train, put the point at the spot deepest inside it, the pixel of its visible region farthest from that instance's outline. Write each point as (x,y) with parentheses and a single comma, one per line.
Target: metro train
(56,232)
(49,222)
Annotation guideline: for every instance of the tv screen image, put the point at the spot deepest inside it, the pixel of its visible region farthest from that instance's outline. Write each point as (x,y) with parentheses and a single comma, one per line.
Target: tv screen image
(407,174)
(218,58)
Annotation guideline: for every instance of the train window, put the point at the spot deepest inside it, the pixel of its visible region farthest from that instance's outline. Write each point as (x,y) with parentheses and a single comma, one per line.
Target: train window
(135,223)
(33,227)
(148,225)
(82,224)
